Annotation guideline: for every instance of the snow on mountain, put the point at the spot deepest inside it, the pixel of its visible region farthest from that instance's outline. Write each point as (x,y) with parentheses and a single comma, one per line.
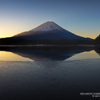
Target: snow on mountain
(48,26)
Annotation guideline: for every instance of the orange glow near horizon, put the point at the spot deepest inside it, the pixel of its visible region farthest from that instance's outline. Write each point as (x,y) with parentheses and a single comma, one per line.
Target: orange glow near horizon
(85,55)
(9,56)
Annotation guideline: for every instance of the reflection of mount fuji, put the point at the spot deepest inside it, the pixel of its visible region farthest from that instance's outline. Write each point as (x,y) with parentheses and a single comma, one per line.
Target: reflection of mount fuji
(53,53)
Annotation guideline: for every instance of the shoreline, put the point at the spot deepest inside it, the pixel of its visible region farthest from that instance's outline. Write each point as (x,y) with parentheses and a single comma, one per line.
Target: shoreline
(39,45)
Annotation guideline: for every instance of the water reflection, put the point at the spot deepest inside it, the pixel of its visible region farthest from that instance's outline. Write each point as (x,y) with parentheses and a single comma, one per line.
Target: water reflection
(49,80)
(46,52)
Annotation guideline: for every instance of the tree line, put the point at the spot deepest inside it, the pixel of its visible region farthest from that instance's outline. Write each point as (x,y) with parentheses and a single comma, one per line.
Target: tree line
(11,41)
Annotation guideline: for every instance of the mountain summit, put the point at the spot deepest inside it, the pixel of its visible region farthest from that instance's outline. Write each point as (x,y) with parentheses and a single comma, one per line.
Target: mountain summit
(48,30)
(48,26)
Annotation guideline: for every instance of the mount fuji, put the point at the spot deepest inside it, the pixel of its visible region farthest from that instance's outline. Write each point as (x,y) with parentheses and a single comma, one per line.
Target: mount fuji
(48,30)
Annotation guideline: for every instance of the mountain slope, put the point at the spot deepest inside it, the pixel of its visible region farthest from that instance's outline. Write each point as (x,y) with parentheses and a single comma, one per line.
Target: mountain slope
(48,30)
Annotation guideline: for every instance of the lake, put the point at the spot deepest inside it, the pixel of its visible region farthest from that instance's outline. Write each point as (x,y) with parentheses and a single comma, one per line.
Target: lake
(49,73)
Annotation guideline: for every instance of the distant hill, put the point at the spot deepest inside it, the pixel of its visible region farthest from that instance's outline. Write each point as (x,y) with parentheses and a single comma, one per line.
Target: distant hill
(97,40)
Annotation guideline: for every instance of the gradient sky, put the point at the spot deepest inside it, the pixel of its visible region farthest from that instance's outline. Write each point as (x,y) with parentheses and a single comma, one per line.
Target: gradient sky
(81,17)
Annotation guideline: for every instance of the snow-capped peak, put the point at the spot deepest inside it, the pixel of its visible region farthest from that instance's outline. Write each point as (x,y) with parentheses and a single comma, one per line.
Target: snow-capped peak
(48,26)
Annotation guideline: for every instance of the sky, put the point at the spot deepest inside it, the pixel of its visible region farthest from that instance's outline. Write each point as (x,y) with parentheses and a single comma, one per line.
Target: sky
(81,17)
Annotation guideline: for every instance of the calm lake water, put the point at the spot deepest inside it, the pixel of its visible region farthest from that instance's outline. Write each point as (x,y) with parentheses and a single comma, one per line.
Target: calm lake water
(49,73)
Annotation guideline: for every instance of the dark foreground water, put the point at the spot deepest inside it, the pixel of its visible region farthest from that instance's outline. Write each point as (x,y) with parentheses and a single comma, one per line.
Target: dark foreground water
(46,73)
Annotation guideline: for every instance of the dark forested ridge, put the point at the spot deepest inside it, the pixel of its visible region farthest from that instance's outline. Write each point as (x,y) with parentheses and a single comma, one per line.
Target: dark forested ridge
(14,41)
(97,40)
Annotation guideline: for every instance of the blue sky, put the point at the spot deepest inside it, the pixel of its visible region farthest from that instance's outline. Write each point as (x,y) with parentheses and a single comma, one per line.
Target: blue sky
(81,17)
